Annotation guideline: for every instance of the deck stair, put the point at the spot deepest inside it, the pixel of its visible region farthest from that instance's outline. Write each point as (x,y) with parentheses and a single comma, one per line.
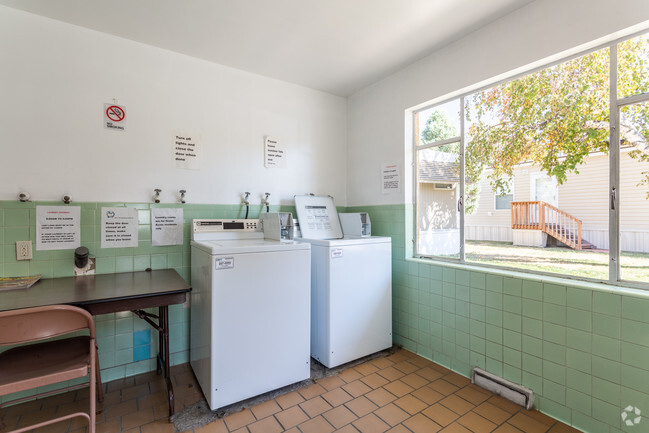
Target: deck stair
(560,225)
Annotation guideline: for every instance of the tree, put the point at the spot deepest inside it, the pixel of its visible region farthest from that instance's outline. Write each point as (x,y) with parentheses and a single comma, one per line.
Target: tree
(557,116)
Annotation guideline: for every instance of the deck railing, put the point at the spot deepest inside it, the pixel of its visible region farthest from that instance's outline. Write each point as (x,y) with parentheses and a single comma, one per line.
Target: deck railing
(539,215)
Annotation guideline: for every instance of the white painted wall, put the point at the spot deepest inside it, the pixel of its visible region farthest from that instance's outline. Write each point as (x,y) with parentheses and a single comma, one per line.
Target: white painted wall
(55,78)
(379,127)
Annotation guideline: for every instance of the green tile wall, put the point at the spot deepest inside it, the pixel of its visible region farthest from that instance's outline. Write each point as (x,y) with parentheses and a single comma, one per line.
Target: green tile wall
(114,331)
(584,352)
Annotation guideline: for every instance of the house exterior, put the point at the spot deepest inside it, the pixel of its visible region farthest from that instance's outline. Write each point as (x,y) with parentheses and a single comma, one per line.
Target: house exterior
(585,196)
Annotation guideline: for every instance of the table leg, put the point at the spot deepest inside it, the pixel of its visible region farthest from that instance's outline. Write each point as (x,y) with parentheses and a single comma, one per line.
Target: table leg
(164,322)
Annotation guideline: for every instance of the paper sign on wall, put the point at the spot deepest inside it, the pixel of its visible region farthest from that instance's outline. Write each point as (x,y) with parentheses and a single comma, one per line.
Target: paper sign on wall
(58,227)
(390,178)
(187,151)
(166,226)
(274,154)
(115,117)
(119,227)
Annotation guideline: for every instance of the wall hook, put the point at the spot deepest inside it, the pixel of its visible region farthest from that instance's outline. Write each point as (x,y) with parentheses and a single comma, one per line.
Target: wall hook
(156,196)
(24,196)
(66,199)
(182,195)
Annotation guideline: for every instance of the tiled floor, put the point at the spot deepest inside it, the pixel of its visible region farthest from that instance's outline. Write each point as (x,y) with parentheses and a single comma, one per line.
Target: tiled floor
(401,393)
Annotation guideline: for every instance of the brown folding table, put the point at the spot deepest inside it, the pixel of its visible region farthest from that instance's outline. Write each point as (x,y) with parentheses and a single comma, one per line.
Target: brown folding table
(112,293)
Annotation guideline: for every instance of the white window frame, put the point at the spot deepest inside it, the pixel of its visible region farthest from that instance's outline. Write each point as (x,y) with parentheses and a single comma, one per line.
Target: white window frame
(615,104)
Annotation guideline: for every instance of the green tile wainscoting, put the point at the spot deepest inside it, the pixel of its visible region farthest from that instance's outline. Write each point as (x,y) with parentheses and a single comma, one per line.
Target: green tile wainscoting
(583,348)
(115,332)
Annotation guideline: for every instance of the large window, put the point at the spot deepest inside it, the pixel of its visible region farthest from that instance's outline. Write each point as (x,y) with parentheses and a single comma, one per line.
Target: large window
(572,141)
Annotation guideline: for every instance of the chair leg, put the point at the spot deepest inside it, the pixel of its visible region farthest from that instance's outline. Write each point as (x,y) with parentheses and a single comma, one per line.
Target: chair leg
(94,378)
(100,388)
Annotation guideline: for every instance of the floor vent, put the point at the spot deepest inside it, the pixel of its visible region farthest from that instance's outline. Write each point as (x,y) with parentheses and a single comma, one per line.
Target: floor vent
(511,391)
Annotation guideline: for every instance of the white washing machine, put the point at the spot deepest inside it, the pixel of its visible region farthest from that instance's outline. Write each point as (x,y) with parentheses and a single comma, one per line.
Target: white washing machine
(351,286)
(250,310)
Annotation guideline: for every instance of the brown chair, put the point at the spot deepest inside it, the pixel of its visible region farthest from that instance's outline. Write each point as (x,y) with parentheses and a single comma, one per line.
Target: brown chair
(48,362)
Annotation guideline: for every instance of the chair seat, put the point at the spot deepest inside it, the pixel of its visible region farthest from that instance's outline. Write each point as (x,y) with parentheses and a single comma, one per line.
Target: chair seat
(41,364)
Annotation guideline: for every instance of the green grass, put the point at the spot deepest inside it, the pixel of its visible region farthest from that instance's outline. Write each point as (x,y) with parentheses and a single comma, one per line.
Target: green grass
(558,260)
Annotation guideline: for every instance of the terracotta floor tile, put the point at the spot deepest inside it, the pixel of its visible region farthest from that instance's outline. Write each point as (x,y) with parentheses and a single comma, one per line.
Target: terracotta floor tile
(421,362)
(57,400)
(112,426)
(267,408)
(151,400)
(381,397)
(136,391)
(336,397)
(398,357)
(347,429)
(528,424)
(331,382)
(456,428)
(443,387)
(119,384)
(370,424)
(457,380)
(161,426)
(382,363)
(266,425)
(242,430)
(366,369)
(316,425)
(121,409)
(475,422)
(374,380)
(507,428)
(398,388)
(428,395)
(356,388)
(504,404)
(217,426)
(540,417)
(391,373)
(392,414)
(429,373)
(311,391)
(457,404)
(472,395)
(406,367)
(339,416)
(291,417)
(422,424)
(239,419)
(399,429)
(137,419)
(411,404)
(287,400)
(492,413)
(414,380)
(315,406)
(361,406)
(440,414)
(350,375)
(59,427)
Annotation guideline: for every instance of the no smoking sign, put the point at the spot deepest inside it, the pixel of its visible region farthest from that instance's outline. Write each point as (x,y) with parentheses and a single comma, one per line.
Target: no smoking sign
(115,117)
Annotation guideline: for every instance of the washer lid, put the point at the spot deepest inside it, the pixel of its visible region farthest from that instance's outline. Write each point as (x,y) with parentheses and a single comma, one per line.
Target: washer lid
(347,241)
(248,246)
(318,217)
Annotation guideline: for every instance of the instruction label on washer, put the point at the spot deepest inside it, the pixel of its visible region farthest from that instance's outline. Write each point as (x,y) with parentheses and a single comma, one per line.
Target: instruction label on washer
(224,263)
(336,253)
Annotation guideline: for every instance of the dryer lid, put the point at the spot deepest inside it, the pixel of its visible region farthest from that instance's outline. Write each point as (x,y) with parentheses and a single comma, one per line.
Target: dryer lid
(318,217)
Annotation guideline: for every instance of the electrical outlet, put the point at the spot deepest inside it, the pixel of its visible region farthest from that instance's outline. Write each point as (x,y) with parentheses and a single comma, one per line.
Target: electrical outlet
(23,250)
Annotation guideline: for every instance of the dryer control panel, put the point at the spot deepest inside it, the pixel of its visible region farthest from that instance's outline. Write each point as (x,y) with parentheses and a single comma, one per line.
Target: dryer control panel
(207,229)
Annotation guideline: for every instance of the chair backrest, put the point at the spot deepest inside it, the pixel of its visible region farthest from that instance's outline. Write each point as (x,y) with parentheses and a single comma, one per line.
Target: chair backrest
(39,323)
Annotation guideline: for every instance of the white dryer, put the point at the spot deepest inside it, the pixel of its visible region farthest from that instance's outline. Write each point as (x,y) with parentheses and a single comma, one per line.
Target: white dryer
(351,286)
(250,310)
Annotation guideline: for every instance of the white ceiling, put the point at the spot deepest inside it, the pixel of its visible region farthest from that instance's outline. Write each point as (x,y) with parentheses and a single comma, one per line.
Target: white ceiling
(338,46)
